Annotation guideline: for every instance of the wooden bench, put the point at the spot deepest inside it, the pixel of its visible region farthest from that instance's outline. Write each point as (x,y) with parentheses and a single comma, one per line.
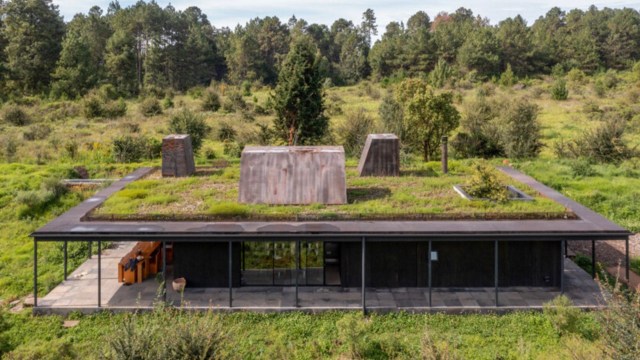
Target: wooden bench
(150,264)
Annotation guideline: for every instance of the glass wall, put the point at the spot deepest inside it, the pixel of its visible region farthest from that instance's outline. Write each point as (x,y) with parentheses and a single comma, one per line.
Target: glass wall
(274,263)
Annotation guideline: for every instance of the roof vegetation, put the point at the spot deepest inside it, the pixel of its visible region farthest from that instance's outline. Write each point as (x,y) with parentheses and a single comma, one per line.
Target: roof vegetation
(422,192)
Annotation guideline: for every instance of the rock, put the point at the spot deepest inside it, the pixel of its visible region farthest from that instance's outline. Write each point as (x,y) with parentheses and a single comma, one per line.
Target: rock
(70,323)
(29,301)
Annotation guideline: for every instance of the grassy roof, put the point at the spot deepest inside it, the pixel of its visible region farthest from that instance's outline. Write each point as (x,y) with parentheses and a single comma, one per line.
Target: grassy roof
(422,192)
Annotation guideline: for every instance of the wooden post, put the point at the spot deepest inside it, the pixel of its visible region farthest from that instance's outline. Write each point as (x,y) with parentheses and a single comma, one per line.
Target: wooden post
(445,155)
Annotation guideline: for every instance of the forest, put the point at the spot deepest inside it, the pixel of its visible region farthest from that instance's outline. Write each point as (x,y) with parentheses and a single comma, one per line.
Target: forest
(144,48)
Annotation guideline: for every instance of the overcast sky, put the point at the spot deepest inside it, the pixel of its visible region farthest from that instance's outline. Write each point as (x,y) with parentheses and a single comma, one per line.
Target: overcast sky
(231,12)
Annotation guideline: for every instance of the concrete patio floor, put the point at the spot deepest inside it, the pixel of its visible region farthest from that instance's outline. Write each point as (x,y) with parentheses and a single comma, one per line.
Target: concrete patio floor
(80,293)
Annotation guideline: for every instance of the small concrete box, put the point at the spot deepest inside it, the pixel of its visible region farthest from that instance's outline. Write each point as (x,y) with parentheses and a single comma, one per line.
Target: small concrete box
(293,175)
(177,156)
(380,156)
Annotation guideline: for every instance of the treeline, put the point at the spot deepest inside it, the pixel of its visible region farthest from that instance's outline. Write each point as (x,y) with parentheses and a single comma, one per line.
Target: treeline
(144,47)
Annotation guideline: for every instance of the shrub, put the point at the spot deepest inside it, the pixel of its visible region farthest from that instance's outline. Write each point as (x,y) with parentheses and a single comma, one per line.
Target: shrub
(71,148)
(226,132)
(582,168)
(92,107)
(576,76)
(167,103)
(508,78)
(234,102)
(599,88)
(115,109)
(4,326)
(150,107)
(479,136)
(188,122)
(15,115)
(228,209)
(391,115)
(620,324)
(36,202)
(246,88)
(485,184)
(440,74)
(37,132)
(128,149)
(559,90)
(354,130)
(9,148)
(352,333)
(519,129)
(431,350)
(232,149)
(196,92)
(605,144)
(563,315)
(210,101)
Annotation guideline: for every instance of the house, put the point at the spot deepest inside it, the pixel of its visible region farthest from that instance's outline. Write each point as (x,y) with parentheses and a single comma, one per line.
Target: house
(300,228)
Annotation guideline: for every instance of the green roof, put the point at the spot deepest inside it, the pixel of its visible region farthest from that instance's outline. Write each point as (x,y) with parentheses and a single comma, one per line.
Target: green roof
(422,192)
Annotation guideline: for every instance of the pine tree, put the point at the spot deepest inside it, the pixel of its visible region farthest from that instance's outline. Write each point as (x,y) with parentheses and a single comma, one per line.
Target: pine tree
(33,31)
(298,98)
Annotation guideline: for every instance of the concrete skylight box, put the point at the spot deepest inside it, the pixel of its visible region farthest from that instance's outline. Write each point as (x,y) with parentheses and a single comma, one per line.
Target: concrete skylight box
(380,156)
(177,156)
(293,175)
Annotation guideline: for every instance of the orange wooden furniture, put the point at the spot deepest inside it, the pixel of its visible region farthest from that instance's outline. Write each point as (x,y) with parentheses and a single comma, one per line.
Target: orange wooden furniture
(148,266)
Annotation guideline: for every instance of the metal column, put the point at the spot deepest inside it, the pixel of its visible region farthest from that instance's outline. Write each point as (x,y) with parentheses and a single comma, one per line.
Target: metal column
(562,255)
(495,270)
(593,259)
(230,275)
(297,273)
(99,273)
(429,275)
(364,300)
(626,257)
(164,271)
(35,273)
(90,248)
(65,259)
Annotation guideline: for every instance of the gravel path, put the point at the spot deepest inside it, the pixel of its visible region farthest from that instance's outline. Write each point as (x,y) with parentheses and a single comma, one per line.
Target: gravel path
(609,252)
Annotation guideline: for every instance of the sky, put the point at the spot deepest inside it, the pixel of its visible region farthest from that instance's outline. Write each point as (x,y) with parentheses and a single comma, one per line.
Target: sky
(232,12)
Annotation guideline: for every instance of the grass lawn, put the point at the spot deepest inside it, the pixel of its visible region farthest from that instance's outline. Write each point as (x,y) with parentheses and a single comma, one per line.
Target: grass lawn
(331,335)
(421,192)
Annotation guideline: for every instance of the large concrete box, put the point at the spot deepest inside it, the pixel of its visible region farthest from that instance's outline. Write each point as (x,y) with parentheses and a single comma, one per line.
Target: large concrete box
(293,175)
(380,156)
(177,156)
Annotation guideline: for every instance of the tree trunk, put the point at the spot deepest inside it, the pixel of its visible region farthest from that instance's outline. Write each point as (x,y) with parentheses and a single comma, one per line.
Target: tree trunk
(427,152)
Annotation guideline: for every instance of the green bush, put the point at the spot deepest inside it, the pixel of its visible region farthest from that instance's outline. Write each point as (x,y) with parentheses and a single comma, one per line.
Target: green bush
(150,107)
(167,103)
(234,102)
(620,324)
(390,112)
(36,202)
(485,184)
(599,88)
(479,135)
(604,144)
(37,132)
(246,88)
(226,132)
(15,115)
(9,148)
(210,101)
(188,122)
(559,90)
(232,149)
(582,168)
(128,149)
(563,315)
(115,109)
(353,334)
(508,78)
(93,107)
(354,130)
(518,128)
(4,326)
